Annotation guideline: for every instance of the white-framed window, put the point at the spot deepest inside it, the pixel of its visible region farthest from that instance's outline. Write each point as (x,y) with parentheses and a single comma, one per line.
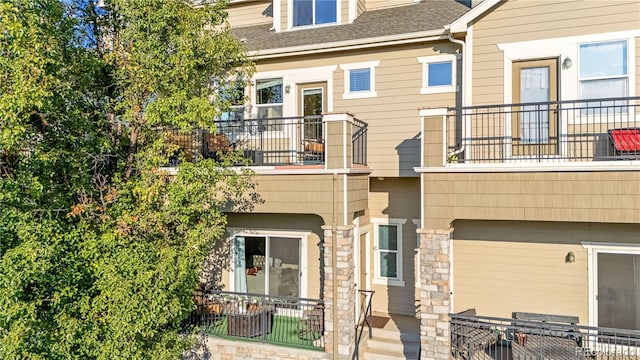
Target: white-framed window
(269,103)
(438,74)
(603,69)
(388,251)
(314,12)
(360,80)
(232,103)
(614,291)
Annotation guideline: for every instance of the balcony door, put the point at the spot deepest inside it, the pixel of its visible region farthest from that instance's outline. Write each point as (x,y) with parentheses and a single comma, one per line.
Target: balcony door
(313,103)
(534,127)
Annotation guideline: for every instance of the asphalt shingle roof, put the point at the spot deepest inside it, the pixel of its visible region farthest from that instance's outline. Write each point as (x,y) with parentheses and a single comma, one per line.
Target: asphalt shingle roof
(423,16)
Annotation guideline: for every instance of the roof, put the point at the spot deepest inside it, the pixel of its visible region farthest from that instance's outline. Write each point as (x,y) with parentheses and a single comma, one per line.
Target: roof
(460,25)
(421,17)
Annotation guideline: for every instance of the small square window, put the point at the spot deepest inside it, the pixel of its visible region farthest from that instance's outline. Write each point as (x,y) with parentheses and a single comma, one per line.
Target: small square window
(359,80)
(438,74)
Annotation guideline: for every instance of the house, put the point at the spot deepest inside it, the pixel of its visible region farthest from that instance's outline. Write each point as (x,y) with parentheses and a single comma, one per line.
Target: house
(333,133)
(531,187)
(441,154)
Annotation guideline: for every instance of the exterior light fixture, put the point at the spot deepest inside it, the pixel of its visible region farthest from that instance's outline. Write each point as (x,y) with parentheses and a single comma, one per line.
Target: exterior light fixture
(570,257)
(287,89)
(566,63)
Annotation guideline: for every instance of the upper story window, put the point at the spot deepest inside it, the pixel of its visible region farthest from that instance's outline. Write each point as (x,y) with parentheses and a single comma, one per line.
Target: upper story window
(359,80)
(233,103)
(438,74)
(603,70)
(269,98)
(314,12)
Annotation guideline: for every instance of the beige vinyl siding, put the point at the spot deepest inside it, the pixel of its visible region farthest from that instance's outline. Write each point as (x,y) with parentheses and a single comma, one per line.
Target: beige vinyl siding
(252,13)
(497,278)
(532,196)
(343,7)
(357,194)
(284,14)
(361,7)
(379,4)
(395,198)
(394,122)
(311,194)
(514,21)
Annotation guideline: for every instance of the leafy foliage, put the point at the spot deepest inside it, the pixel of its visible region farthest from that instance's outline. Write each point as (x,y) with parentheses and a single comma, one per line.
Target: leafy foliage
(100,247)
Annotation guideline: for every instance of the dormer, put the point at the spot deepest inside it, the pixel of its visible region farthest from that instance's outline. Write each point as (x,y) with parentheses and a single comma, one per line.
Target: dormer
(291,15)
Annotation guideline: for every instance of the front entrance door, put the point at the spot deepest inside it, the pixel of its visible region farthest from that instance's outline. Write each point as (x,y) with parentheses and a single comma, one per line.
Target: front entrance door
(313,103)
(534,127)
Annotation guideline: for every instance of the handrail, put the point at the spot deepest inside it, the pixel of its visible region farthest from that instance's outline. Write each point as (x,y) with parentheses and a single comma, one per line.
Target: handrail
(363,318)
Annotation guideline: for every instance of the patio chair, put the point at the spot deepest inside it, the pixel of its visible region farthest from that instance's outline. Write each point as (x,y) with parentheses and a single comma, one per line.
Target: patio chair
(472,339)
(311,326)
(626,142)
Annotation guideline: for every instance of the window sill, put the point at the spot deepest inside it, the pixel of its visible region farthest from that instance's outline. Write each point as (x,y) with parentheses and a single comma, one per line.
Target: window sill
(388,282)
(437,90)
(359,95)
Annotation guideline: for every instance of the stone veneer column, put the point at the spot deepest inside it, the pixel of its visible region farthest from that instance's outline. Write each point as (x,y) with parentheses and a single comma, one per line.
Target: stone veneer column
(435,300)
(345,284)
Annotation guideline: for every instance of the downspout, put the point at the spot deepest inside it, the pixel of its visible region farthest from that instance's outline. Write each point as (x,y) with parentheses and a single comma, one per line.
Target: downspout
(462,87)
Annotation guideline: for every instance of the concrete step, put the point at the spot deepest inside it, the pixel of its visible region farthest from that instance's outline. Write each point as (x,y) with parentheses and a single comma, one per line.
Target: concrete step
(391,347)
(393,335)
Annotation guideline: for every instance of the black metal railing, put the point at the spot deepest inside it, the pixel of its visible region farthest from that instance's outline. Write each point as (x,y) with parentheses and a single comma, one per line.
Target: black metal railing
(560,131)
(269,142)
(359,142)
(364,319)
(287,321)
(481,337)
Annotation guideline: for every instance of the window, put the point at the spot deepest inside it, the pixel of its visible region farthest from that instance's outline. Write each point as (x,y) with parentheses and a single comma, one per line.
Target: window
(603,70)
(359,80)
(269,103)
(267,264)
(438,74)
(388,251)
(232,104)
(314,12)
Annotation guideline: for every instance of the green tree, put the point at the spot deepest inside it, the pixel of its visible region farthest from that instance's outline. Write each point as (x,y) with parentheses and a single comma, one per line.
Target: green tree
(100,248)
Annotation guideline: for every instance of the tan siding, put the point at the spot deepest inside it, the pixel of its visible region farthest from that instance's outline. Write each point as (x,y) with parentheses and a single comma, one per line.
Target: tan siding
(396,198)
(253,13)
(394,124)
(378,4)
(532,20)
(497,278)
(344,11)
(542,196)
(284,14)
(362,6)
(358,194)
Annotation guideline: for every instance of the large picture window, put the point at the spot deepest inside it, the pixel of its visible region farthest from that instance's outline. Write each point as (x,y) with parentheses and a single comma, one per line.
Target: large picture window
(603,70)
(314,12)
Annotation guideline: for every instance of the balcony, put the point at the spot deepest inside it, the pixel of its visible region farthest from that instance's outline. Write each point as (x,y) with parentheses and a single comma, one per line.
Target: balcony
(330,141)
(595,130)
(278,320)
(482,337)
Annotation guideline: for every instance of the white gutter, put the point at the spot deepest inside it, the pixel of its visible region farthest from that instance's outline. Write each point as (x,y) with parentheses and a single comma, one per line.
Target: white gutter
(398,39)
(463,88)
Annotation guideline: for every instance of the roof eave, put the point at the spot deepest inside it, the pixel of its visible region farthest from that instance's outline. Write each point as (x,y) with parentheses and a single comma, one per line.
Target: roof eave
(460,24)
(406,38)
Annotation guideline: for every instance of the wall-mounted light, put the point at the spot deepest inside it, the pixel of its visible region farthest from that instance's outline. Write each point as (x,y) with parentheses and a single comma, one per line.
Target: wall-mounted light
(287,89)
(566,63)
(570,257)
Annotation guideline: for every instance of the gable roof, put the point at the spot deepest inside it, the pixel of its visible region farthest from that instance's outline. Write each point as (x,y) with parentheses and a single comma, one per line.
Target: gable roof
(425,18)
(460,25)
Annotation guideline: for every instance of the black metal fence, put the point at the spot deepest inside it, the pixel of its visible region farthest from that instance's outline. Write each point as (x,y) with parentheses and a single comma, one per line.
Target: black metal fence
(359,142)
(287,321)
(480,337)
(269,142)
(577,130)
